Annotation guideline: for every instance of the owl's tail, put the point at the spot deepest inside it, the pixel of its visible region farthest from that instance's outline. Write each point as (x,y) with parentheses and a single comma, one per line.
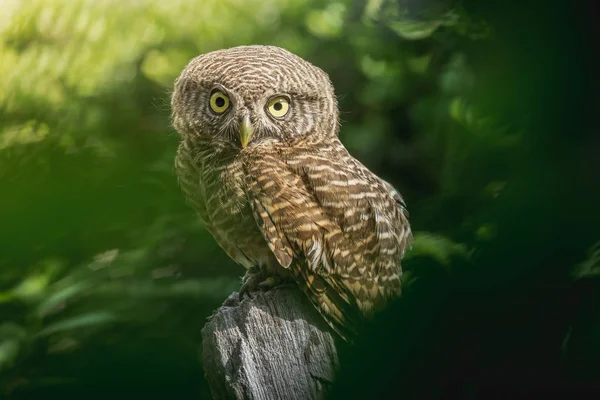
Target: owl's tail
(334,303)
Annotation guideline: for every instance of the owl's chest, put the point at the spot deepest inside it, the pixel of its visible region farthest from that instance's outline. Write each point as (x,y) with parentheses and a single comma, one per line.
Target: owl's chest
(223,184)
(224,194)
(228,210)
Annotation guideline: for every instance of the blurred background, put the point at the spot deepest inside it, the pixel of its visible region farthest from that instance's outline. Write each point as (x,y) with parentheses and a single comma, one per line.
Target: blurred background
(477,113)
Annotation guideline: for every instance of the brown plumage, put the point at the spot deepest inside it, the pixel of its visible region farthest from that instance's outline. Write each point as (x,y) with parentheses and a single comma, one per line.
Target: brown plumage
(261,162)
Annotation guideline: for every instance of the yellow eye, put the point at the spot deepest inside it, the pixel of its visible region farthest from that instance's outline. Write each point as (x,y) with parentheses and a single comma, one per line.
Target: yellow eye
(278,107)
(219,102)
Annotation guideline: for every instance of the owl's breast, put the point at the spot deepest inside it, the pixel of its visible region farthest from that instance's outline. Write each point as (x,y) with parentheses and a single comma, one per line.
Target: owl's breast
(223,188)
(229,213)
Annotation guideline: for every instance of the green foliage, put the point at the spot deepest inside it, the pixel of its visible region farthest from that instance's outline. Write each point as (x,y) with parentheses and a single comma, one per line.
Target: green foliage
(100,256)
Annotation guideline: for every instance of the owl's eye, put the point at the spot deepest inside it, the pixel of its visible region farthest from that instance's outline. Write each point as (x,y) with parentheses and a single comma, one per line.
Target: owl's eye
(278,106)
(219,102)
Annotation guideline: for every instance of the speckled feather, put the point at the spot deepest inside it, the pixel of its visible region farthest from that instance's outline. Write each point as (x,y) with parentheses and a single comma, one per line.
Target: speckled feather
(293,202)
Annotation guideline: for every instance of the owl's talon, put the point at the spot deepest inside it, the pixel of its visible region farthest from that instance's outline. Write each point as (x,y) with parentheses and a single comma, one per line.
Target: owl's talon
(250,284)
(256,281)
(269,283)
(245,291)
(243,294)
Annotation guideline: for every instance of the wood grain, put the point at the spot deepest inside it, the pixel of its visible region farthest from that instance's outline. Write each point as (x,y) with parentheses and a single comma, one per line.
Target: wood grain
(274,345)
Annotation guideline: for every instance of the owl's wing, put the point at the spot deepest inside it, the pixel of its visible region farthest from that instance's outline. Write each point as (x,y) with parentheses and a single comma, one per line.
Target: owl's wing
(340,266)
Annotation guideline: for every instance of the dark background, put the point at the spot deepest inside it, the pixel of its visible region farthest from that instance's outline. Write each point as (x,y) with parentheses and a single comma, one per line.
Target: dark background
(482,114)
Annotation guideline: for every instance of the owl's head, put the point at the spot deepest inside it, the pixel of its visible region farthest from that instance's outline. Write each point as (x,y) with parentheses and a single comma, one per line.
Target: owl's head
(247,94)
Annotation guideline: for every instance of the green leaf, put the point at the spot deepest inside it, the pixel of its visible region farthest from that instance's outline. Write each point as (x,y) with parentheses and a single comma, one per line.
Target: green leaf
(9,351)
(6,297)
(60,296)
(419,64)
(199,288)
(414,30)
(458,109)
(591,266)
(372,8)
(11,330)
(81,321)
(32,287)
(438,247)
(327,23)
(373,68)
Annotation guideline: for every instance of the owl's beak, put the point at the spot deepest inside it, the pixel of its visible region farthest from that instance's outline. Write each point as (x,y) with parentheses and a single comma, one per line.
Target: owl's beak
(246,131)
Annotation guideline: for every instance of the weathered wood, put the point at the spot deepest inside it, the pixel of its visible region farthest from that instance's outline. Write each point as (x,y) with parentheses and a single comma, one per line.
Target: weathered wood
(274,345)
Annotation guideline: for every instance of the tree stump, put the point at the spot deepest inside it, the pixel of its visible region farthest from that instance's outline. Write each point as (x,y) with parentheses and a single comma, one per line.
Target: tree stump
(274,345)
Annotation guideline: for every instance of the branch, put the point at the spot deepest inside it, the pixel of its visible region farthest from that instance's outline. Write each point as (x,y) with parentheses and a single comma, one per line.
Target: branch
(274,345)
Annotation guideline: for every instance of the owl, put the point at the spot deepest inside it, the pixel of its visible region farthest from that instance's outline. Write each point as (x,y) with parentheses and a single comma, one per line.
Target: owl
(261,162)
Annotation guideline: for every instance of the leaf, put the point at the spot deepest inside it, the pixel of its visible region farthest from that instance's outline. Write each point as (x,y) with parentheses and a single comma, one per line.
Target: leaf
(414,30)
(32,287)
(438,247)
(11,330)
(35,285)
(30,132)
(458,109)
(591,266)
(80,321)
(60,296)
(419,64)
(372,8)
(199,288)
(373,68)
(327,23)
(5,297)
(9,351)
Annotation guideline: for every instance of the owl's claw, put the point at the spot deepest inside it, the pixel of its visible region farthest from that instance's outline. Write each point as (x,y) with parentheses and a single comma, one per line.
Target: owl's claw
(245,291)
(269,283)
(250,284)
(254,282)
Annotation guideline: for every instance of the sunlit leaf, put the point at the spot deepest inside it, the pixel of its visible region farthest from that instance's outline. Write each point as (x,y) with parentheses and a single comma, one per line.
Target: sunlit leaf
(32,287)
(327,23)
(94,319)
(59,297)
(101,260)
(372,8)
(29,132)
(437,247)
(414,30)
(210,287)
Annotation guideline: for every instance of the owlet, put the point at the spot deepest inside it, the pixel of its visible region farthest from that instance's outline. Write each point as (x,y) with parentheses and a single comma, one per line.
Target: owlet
(261,162)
